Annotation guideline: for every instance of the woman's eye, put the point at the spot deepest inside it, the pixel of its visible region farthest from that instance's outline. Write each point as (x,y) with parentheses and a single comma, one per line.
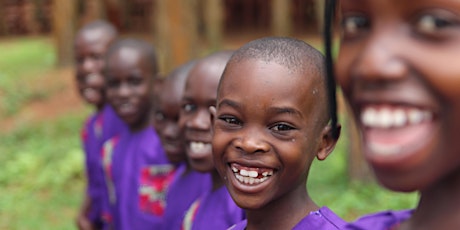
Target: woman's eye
(351,25)
(282,127)
(431,24)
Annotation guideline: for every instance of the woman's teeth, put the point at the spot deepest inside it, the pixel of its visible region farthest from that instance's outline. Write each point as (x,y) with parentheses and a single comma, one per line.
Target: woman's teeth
(200,147)
(388,117)
(250,176)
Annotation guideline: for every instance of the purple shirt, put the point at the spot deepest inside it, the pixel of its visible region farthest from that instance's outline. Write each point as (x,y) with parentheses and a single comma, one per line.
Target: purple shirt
(214,210)
(98,128)
(380,221)
(138,175)
(184,189)
(323,219)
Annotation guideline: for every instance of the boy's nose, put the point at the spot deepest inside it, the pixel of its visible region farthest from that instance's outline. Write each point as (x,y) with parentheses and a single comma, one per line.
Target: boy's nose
(382,57)
(200,120)
(123,90)
(171,131)
(251,142)
(88,65)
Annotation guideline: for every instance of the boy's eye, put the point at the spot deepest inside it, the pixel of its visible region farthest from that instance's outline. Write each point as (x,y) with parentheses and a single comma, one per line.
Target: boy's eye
(430,24)
(159,116)
(135,81)
(282,127)
(230,120)
(188,107)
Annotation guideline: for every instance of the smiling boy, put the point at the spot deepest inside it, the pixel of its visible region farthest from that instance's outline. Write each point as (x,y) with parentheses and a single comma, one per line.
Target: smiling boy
(270,123)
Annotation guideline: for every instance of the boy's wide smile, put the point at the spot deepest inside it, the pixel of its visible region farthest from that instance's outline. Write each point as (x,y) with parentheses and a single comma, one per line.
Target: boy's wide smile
(250,177)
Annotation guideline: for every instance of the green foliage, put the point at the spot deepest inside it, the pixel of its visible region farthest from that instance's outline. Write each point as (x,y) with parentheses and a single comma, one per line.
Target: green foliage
(21,63)
(42,176)
(328,185)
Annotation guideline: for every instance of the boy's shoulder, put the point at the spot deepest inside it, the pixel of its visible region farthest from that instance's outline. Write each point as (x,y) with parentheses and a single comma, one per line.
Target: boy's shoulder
(322,219)
(380,220)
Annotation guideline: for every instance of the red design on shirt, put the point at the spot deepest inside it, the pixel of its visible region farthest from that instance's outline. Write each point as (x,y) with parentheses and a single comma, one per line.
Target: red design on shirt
(154,183)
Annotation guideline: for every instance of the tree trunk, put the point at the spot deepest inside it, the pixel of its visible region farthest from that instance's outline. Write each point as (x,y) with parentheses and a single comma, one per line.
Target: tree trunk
(213,21)
(176,32)
(281,18)
(63,29)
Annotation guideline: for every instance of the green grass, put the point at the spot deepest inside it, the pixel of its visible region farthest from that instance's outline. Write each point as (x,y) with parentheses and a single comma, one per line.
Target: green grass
(42,175)
(23,62)
(328,185)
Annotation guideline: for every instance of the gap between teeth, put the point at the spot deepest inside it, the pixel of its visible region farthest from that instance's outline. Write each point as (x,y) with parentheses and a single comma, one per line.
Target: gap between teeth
(388,117)
(250,173)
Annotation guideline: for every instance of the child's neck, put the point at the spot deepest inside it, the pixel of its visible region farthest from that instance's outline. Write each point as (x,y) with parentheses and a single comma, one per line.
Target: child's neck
(283,213)
(139,126)
(216,180)
(439,206)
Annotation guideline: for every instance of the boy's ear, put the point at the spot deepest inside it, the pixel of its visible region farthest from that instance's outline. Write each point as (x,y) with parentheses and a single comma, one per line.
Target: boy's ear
(327,142)
(212,111)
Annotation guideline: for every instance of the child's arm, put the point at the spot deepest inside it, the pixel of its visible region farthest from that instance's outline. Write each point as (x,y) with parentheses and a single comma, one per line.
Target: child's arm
(82,221)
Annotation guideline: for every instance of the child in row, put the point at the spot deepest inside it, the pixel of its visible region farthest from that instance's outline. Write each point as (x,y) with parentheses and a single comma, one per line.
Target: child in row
(136,168)
(91,44)
(187,184)
(269,124)
(398,69)
(215,209)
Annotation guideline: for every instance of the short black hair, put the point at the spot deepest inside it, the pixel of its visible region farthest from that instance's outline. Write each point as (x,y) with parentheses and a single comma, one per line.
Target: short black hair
(294,54)
(145,48)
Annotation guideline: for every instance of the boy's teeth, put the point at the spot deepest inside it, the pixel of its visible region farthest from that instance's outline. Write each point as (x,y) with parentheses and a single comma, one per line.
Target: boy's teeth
(250,176)
(253,174)
(200,147)
(388,117)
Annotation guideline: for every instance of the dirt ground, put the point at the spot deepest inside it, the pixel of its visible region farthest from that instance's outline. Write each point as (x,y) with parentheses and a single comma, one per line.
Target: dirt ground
(63,99)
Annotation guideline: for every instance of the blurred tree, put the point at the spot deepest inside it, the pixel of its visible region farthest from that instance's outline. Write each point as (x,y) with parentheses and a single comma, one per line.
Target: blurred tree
(281,24)
(176,32)
(90,10)
(115,12)
(213,22)
(64,15)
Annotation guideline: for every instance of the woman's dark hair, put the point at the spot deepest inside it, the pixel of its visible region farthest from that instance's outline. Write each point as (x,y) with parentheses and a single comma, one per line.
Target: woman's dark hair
(329,15)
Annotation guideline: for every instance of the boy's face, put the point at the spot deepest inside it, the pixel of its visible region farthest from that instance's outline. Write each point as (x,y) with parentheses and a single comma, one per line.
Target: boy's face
(166,119)
(265,132)
(128,86)
(195,119)
(90,48)
(398,68)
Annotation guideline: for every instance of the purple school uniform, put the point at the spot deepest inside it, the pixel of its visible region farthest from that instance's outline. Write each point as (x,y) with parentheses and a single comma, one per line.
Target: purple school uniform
(184,189)
(214,210)
(98,128)
(385,220)
(137,176)
(323,219)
